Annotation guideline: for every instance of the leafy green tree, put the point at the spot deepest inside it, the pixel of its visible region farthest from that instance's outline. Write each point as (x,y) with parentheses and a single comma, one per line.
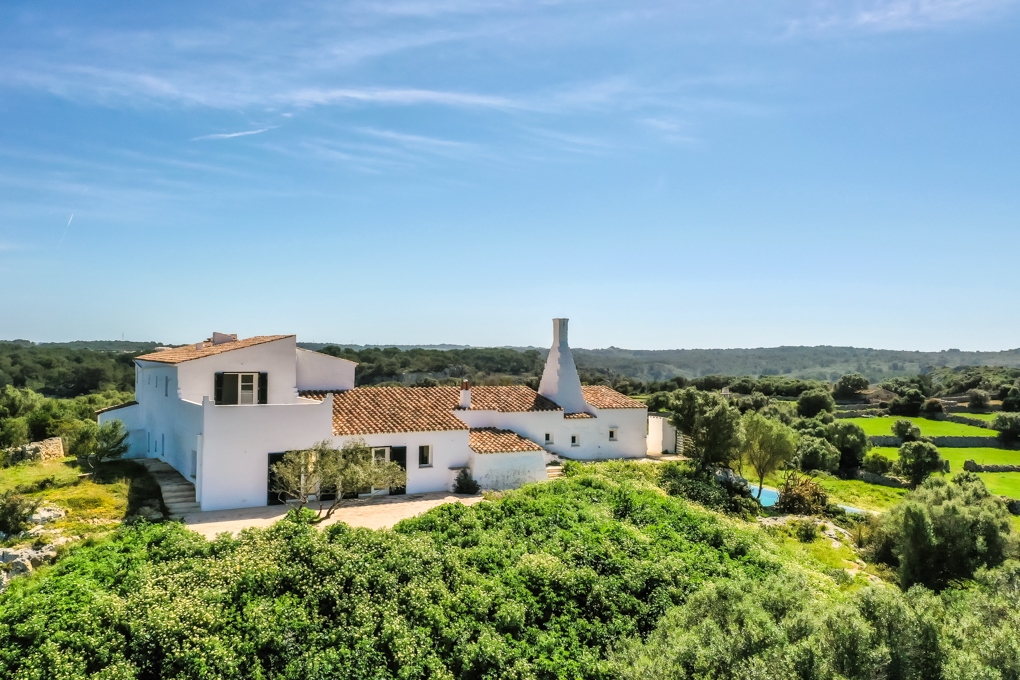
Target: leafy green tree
(15,403)
(331,474)
(876,463)
(977,400)
(80,438)
(906,430)
(918,460)
(813,402)
(14,432)
(932,407)
(851,441)
(1008,425)
(712,423)
(111,440)
(768,444)
(909,404)
(1012,400)
(850,385)
(816,453)
(658,401)
(944,531)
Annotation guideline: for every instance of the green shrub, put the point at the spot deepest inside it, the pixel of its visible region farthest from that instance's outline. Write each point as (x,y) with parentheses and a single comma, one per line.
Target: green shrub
(465,483)
(851,441)
(877,464)
(849,385)
(932,407)
(978,400)
(943,531)
(14,432)
(677,480)
(813,402)
(1008,425)
(806,531)
(1012,400)
(918,460)
(906,430)
(15,510)
(908,404)
(799,495)
(814,453)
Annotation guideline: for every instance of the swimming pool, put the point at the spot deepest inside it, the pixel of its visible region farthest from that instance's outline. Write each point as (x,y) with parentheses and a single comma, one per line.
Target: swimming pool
(770,496)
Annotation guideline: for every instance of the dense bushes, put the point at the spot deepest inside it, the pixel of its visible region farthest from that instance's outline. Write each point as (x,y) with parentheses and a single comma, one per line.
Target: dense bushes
(849,385)
(814,453)
(1008,425)
(978,400)
(944,531)
(906,430)
(918,460)
(782,627)
(909,404)
(538,585)
(852,443)
(813,402)
(15,510)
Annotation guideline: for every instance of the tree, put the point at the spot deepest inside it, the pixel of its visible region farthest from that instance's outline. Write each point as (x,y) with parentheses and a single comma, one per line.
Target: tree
(111,440)
(91,443)
(944,531)
(1008,425)
(932,407)
(851,441)
(658,401)
(817,453)
(711,422)
(13,432)
(918,460)
(767,445)
(977,400)
(906,430)
(849,385)
(909,404)
(332,473)
(813,402)
(1012,400)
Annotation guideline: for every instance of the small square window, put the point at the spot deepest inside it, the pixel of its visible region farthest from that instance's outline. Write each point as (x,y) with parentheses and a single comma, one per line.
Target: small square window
(612,435)
(548,438)
(424,456)
(575,440)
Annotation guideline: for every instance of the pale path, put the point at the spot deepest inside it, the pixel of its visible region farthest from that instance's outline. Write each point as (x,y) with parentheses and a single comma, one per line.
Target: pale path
(380,513)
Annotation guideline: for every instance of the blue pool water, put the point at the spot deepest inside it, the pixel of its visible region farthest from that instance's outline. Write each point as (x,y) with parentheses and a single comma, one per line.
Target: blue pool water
(770,496)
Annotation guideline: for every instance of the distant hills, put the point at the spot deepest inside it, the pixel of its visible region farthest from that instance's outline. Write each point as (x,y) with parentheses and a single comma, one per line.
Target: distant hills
(820,363)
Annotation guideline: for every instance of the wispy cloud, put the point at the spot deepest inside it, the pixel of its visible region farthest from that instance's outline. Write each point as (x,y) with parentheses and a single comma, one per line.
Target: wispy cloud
(309,97)
(231,135)
(895,15)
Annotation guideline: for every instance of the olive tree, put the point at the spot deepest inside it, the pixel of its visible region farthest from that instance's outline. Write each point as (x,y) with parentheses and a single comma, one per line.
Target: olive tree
(849,385)
(711,422)
(906,430)
(813,402)
(918,460)
(851,441)
(768,444)
(330,474)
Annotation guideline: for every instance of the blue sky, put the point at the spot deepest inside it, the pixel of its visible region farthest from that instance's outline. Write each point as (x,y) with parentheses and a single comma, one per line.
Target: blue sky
(666,174)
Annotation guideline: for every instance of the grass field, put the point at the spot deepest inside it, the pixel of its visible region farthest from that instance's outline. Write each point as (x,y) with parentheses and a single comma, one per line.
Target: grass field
(1003,483)
(988,417)
(850,492)
(929,428)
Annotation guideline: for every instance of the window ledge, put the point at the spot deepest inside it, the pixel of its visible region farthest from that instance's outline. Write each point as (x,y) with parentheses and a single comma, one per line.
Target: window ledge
(426,466)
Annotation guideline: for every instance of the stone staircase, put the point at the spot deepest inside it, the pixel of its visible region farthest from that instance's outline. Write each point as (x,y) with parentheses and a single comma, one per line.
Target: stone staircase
(178,492)
(554,471)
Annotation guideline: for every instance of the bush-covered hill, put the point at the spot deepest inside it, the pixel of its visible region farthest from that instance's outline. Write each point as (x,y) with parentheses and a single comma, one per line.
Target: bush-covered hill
(590,576)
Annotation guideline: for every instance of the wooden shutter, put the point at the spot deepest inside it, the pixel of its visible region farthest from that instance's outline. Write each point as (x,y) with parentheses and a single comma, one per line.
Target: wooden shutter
(263,388)
(218,388)
(230,381)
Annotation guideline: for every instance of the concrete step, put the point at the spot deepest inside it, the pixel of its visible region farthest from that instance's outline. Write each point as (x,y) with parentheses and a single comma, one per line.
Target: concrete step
(554,472)
(177,509)
(178,493)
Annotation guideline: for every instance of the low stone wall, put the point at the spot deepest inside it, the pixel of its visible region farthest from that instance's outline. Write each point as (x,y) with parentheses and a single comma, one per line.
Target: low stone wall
(881,480)
(971,466)
(858,414)
(941,442)
(51,449)
(953,418)
(47,449)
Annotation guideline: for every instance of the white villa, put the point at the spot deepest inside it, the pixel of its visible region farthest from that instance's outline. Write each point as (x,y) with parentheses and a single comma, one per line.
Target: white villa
(222,411)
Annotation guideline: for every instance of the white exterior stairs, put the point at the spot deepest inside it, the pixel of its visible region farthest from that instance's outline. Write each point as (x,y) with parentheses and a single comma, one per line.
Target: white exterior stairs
(554,471)
(178,492)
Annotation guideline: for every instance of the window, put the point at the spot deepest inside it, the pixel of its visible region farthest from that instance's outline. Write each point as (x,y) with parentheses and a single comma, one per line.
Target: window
(612,434)
(241,388)
(424,456)
(162,445)
(548,438)
(575,440)
(381,455)
(166,387)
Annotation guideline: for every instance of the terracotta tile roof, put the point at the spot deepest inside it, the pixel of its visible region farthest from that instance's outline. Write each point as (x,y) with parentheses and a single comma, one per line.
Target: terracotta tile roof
(575,416)
(370,410)
(188,352)
(491,440)
(508,399)
(374,410)
(114,408)
(601,396)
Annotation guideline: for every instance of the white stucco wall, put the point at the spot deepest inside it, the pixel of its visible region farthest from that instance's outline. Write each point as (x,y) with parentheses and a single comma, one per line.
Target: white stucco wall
(322,372)
(275,358)
(661,435)
(449,449)
(507,470)
(630,424)
(237,441)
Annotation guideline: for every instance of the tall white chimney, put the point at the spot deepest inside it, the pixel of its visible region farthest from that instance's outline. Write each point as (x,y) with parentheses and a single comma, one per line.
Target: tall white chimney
(465,394)
(560,382)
